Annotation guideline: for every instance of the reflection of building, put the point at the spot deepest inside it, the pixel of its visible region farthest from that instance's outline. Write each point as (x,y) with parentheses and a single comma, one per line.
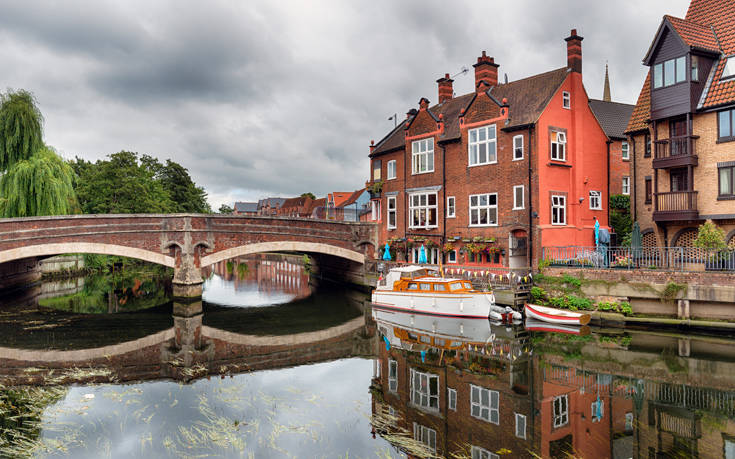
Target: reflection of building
(270,273)
(454,399)
(591,396)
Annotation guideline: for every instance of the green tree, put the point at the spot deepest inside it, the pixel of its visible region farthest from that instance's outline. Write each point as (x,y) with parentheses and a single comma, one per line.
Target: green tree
(620,218)
(309,195)
(121,184)
(21,127)
(40,185)
(186,196)
(225,209)
(710,236)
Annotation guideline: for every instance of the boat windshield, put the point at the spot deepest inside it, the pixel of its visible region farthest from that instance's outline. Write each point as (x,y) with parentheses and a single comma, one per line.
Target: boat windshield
(455,286)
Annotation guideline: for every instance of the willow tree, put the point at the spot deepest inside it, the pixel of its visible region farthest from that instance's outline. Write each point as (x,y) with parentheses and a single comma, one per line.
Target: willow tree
(21,127)
(40,185)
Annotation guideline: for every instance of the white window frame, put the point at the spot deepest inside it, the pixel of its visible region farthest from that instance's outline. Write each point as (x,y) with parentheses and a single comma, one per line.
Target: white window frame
(560,417)
(451,208)
(518,146)
(520,433)
(561,146)
(451,399)
(625,151)
(412,208)
(391,170)
(523,197)
(391,211)
(432,255)
(488,142)
(392,376)
(420,397)
(478,208)
(625,186)
(422,156)
(481,411)
(452,256)
(477,452)
(375,210)
(424,435)
(566,100)
(595,200)
(558,201)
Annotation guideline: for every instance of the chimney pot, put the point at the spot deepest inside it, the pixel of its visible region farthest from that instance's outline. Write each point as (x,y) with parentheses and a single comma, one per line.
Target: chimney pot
(574,51)
(446,92)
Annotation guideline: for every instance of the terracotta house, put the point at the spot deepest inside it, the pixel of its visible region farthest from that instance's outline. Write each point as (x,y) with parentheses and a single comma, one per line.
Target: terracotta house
(682,130)
(491,177)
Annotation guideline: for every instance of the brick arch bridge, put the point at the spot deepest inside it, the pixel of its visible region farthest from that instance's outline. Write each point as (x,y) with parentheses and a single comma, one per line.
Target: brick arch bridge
(185,242)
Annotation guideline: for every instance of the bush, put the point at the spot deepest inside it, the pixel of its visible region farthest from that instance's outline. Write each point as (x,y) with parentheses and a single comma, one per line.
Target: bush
(710,236)
(625,308)
(538,295)
(571,302)
(571,280)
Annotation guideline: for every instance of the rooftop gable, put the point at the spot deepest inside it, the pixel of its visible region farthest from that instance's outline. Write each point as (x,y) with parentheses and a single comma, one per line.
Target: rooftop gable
(642,111)
(612,116)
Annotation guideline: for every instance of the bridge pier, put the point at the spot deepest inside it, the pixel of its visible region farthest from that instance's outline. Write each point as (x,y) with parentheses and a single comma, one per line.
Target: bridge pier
(187,282)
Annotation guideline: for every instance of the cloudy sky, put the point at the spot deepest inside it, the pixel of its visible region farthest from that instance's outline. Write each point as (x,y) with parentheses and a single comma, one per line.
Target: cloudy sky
(275,98)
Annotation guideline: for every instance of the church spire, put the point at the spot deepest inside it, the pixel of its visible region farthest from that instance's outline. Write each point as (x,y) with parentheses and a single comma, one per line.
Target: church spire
(606,91)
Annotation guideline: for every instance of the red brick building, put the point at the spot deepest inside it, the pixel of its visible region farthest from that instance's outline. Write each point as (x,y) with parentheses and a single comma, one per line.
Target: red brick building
(491,177)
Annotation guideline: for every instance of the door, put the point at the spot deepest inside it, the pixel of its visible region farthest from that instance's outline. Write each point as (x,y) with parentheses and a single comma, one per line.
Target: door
(677,133)
(679,180)
(518,249)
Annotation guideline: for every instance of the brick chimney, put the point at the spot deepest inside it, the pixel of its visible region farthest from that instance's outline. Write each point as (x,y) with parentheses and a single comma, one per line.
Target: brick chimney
(574,51)
(445,88)
(486,70)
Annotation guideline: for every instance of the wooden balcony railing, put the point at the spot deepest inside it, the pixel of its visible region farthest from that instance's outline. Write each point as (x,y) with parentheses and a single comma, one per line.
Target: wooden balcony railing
(675,152)
(676,201)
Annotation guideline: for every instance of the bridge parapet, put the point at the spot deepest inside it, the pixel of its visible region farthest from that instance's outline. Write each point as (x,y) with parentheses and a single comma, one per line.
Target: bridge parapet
(185,242)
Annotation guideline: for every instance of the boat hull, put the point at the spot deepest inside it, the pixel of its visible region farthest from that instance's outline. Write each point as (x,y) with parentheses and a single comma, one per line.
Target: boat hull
(471,305)
(556,316)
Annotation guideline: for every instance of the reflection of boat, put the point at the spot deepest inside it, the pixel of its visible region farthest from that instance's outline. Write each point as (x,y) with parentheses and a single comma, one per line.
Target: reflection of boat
(412,289)
(537,325)
(409,331)
(556,316)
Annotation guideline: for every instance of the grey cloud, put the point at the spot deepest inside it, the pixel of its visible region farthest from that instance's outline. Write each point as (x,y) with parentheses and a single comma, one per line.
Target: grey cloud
(279,98)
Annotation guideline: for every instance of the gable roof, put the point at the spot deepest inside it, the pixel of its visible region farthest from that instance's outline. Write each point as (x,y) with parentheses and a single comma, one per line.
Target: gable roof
(642,110)
(339,197)
(695,35)
(527,98)
(353,197)
(612,116)
(246,207)
(294,202)
(271,202)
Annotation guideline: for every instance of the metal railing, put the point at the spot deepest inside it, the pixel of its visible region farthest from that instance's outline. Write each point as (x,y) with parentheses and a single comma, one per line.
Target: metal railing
(676,201)
(675,146)
(663,258)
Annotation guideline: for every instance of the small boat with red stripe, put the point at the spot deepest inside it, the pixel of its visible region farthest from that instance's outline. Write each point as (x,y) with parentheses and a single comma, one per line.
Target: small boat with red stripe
(556,316)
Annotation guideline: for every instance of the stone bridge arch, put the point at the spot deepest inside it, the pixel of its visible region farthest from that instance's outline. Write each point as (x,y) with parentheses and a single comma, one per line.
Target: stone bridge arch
(283,246)
(46,250)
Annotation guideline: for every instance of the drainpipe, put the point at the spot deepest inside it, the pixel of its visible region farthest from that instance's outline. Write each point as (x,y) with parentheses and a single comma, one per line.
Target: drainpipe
(607,206)
(444,197)
(530,198)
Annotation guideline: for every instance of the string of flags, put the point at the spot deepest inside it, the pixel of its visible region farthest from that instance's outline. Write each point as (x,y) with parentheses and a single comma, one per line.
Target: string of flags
(491,275)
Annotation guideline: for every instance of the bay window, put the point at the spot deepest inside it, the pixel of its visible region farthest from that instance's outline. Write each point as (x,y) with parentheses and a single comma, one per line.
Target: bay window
(422,208)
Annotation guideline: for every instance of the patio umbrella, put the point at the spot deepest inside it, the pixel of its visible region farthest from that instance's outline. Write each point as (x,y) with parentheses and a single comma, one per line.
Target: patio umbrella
(597,232)
(635,240)
(386,254)
(422,254)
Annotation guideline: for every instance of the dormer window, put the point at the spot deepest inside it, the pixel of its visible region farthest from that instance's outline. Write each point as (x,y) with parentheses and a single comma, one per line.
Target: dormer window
(669,72)
(729,70)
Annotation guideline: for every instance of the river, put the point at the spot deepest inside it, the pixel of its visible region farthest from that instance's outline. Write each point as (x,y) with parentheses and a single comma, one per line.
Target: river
(269,364)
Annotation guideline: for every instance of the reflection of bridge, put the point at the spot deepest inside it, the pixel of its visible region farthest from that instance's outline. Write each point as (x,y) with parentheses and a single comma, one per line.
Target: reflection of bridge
(185,242)
(186,351)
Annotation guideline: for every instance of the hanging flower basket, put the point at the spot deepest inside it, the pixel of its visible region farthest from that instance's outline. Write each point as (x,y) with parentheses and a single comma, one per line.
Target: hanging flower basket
(475,248)
(448,247)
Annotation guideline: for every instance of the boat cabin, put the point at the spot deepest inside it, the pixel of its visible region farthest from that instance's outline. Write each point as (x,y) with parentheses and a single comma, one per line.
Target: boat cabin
(422,280)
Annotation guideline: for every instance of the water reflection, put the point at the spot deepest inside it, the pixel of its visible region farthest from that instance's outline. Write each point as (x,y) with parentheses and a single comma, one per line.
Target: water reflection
(550,395)
(326,375)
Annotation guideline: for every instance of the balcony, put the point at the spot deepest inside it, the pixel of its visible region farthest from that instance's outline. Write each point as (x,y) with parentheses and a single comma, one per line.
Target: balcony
(675,152)
(675,205)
